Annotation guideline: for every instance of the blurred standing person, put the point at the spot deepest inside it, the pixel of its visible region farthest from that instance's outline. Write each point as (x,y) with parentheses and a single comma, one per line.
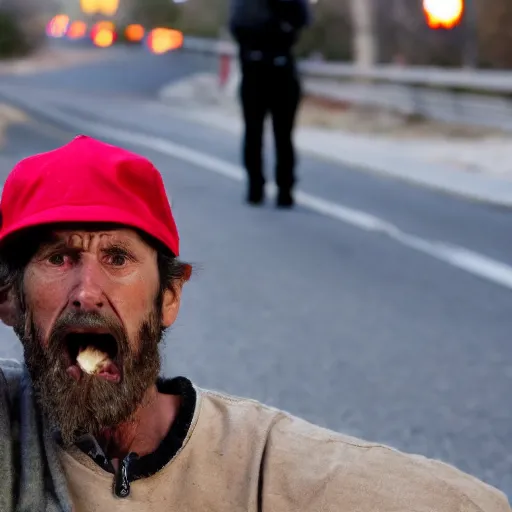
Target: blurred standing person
(266,32)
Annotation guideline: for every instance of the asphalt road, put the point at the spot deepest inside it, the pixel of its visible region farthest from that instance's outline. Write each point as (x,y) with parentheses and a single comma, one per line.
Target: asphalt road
(344,326)
(126,70)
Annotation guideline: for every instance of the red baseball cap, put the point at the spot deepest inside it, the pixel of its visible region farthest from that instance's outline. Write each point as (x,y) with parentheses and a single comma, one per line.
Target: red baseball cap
(88,181)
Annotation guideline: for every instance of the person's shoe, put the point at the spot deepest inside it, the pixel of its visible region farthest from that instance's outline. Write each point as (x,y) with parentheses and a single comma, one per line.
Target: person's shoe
(255,195)
(285,199)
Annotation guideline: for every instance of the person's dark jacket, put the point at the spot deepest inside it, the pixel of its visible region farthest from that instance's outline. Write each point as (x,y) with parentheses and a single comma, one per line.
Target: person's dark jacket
(268,26)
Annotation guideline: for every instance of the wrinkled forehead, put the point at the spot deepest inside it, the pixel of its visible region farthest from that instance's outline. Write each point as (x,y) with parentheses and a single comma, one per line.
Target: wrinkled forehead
(89,237)
(80,236)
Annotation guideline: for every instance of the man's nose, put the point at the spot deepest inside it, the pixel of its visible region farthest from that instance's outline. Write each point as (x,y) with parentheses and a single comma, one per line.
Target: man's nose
(88,293)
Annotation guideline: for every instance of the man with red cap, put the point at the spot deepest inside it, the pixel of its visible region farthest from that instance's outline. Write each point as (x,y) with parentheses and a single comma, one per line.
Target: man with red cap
(90,282)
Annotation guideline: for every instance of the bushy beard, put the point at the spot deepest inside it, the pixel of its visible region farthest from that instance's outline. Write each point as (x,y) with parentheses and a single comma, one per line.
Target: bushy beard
(91,404)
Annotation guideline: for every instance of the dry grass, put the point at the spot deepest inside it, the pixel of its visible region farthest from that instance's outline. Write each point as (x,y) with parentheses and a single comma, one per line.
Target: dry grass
(320,113)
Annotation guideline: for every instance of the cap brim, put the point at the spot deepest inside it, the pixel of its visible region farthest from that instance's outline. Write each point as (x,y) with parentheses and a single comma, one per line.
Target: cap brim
(87,214)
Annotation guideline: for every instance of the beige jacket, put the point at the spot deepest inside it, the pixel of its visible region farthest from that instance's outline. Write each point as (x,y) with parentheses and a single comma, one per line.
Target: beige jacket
(243,456)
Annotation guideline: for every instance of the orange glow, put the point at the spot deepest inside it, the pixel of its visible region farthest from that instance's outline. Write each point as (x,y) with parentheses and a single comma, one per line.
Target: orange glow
(108,7)
(443,13)
(107,25)
(103,38)
(58,26)
(162,40)
(102,25)
(134,33)
(77,30)
(89,6)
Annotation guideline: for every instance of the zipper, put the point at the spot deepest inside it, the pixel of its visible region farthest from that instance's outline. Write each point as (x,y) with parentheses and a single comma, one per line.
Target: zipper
(122,479)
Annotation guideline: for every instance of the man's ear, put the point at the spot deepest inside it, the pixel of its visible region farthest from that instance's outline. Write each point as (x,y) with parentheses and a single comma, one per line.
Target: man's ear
(171,304)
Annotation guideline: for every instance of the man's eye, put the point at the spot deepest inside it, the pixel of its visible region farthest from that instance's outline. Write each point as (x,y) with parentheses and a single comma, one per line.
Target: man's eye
(117,260)
(57,259)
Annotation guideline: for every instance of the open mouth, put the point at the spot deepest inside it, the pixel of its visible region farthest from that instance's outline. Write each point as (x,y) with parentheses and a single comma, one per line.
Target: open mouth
(92,353)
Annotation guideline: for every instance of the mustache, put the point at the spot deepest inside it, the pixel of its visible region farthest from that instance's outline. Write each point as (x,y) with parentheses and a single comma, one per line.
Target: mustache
(76,320)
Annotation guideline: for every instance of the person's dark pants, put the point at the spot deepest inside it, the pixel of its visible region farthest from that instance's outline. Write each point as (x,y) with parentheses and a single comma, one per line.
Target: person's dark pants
(267,88)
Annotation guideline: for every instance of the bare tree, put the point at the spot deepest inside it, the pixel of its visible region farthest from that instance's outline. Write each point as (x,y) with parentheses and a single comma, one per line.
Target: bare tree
(405,37)
(204,17)
(494,22)
(30,18)
(331,34)
(364,32)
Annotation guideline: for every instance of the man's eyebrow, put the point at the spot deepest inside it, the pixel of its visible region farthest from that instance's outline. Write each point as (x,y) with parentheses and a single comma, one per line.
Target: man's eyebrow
(54,242)
(123,245)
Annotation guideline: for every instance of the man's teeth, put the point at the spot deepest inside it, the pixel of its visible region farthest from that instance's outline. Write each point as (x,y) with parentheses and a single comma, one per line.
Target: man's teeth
(92,360)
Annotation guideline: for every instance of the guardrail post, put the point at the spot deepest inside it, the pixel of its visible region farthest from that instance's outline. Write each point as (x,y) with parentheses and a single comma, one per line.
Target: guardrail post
(224,69)
(224,64)
(416,103)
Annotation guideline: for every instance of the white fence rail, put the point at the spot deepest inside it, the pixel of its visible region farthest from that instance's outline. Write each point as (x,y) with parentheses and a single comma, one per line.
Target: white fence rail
(469,97)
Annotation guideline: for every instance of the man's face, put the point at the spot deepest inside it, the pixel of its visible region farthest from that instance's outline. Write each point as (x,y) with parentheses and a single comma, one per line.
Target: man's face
(99,290)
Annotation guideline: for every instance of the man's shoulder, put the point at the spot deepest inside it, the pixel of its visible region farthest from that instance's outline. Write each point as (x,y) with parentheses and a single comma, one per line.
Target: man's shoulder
(11,368)
(304,461)
(376,475)
(241,408)
(11,364)
(11,373)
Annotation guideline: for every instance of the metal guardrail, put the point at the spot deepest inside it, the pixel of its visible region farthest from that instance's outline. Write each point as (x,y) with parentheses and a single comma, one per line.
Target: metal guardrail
(468,80)
(212,46)
(470,97)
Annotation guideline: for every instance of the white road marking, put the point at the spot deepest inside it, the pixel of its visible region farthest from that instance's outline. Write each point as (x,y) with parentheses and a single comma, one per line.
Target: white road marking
(459,257)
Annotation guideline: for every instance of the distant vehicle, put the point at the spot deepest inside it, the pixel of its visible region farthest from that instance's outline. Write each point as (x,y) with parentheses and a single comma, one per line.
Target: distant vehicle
(105,33)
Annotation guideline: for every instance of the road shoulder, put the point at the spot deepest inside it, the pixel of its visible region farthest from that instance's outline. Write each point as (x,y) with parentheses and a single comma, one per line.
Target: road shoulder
(50,58)
(474,164)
